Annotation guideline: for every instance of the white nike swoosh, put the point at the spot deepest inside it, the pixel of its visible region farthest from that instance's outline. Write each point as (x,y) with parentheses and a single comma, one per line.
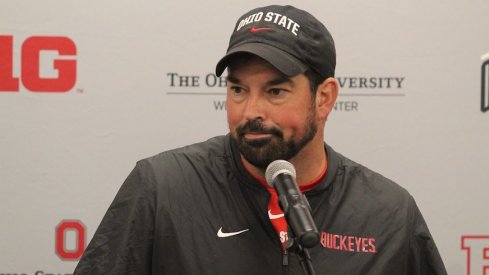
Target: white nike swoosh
(221,234)
(273,216)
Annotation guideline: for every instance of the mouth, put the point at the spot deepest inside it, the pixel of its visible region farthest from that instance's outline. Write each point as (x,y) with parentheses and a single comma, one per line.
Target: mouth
(256,135)
(256,139)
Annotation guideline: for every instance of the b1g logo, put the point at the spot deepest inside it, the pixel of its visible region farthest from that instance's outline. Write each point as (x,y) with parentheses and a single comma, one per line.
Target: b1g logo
(70,232)
(477,248)
(31,71)
(485,83)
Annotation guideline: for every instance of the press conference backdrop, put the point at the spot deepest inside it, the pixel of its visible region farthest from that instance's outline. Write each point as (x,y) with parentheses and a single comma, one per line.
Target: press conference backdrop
(87,88)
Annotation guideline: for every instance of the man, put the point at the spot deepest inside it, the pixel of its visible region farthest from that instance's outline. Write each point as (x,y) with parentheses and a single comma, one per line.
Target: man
(206,208)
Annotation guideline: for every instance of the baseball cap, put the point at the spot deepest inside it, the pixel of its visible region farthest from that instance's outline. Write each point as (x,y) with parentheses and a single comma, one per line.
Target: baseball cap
(290,39)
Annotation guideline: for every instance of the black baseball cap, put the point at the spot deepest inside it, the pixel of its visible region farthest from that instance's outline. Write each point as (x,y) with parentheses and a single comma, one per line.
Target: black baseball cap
(290,39)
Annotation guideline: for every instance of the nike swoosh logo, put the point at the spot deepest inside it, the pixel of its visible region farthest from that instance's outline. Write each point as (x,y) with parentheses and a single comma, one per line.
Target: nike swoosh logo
(254,29)
(221,234)
(273,216)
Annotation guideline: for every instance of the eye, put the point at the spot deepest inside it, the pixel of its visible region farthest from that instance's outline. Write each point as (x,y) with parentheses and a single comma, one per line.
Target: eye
(236,93)
(276,92)
(235,89)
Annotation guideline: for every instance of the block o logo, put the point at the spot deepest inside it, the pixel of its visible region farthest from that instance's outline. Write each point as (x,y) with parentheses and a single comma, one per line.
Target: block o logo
(30,64)
(78,237)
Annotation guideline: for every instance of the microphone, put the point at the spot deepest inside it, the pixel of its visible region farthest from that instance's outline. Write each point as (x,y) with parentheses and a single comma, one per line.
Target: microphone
(280,174)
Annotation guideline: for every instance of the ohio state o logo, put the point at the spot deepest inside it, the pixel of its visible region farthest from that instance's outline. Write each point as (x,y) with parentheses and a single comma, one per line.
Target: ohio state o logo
(62,229)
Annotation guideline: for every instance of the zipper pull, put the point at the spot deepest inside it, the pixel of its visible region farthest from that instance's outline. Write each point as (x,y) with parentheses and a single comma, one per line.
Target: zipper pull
(285,258)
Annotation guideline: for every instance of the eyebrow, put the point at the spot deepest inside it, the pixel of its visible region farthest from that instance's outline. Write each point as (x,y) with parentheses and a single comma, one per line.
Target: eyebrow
(280,80)
(233,79)
(276,81)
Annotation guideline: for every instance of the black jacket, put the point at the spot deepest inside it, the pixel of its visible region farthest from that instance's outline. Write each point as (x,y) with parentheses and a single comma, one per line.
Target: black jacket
(165,219)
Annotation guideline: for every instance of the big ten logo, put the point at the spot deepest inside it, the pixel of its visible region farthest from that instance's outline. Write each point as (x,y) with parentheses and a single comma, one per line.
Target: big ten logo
(70,239)
(47,64)
(485,83)
(477,249)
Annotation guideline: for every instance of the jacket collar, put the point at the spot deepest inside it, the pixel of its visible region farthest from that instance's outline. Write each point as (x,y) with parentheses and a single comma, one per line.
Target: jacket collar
(244,177)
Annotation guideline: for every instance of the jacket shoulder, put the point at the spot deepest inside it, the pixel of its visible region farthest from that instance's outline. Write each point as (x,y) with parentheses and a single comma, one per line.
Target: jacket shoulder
(188,163)
(367,185)
(212,148)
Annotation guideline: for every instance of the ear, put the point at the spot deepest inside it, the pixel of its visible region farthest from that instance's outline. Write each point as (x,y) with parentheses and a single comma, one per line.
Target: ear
(326,97)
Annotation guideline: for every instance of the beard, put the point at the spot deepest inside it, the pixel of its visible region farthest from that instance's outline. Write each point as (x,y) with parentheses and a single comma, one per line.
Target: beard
(261,152)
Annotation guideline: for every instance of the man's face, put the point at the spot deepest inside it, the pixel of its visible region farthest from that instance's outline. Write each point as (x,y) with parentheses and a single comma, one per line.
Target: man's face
(270,116)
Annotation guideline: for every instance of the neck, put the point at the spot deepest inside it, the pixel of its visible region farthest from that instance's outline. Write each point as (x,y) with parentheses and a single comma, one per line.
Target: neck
(308,163)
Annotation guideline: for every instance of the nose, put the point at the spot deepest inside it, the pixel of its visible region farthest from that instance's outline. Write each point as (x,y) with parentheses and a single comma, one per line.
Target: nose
(255,107)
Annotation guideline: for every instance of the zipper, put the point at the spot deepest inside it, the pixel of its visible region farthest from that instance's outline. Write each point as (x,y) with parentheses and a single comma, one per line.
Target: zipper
(285,262)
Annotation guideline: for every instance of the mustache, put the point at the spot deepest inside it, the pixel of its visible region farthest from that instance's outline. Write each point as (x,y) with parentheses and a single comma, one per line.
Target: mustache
(256,126)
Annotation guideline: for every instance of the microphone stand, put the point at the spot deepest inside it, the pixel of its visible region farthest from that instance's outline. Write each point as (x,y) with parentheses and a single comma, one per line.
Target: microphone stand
(305,261)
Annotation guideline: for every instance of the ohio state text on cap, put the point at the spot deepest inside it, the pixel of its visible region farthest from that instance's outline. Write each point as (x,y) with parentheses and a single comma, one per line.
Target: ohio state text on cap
(290,39)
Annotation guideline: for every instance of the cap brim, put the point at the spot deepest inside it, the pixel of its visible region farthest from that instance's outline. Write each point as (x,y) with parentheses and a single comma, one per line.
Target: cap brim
(284,62)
